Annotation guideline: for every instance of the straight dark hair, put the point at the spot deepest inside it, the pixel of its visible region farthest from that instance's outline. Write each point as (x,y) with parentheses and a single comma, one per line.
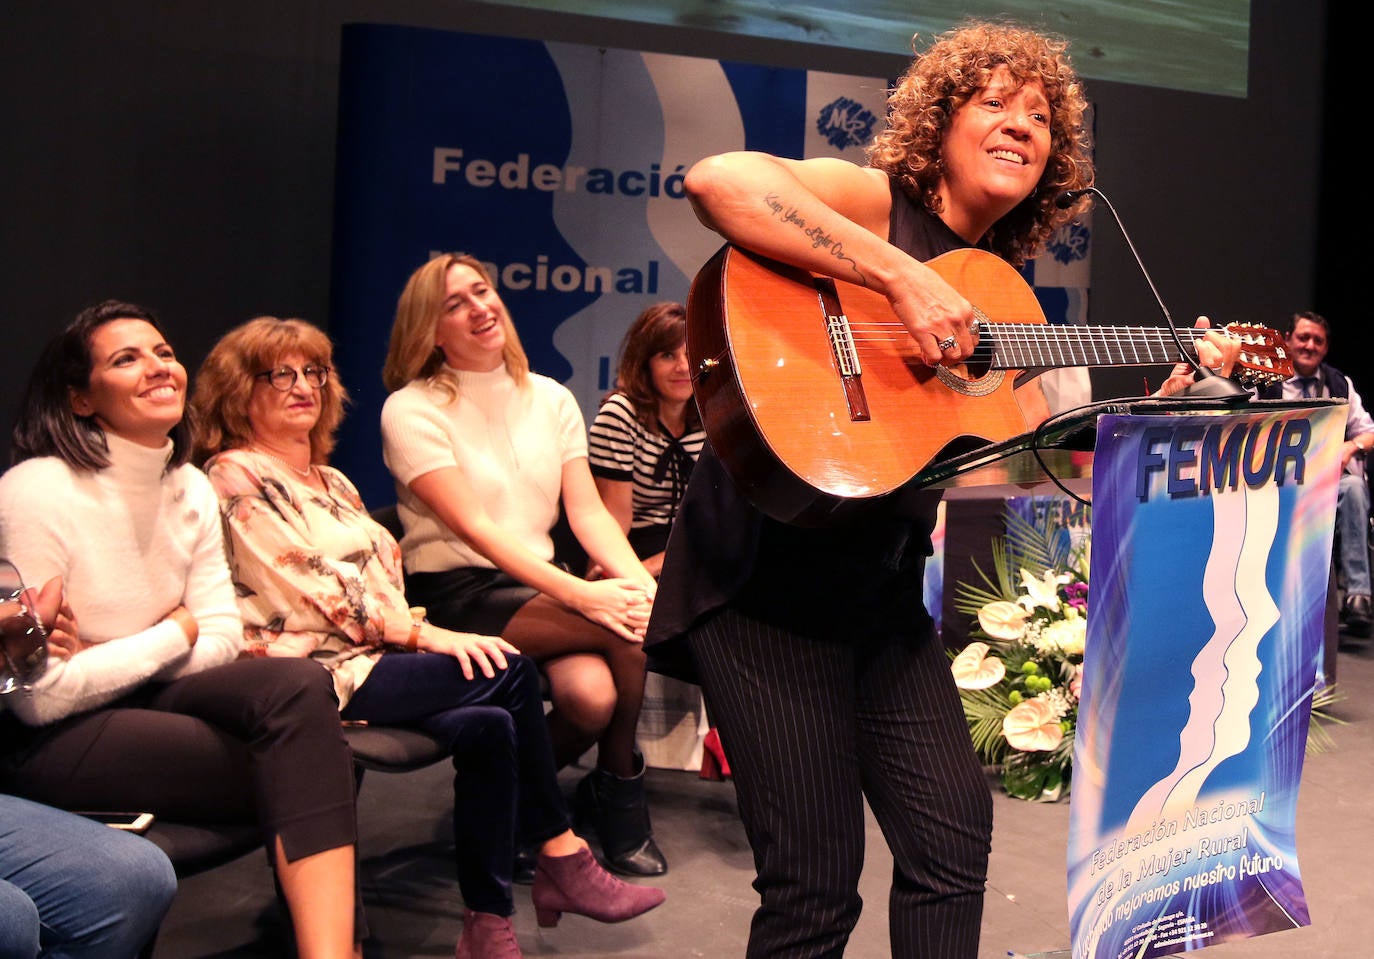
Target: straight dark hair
(48,426)
(661,328)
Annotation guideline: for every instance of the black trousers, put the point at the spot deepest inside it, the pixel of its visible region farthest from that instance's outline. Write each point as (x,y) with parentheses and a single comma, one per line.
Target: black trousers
(813,724)
(256,740)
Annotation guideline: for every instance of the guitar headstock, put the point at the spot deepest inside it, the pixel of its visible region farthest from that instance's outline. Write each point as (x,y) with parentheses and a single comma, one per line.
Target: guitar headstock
(1263,356)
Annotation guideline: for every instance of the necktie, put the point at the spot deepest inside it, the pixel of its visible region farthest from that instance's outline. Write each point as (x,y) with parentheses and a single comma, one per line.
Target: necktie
(1309,386)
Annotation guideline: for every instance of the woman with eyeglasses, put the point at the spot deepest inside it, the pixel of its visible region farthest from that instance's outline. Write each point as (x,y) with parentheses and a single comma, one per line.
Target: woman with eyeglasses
(317,577)
(151,708)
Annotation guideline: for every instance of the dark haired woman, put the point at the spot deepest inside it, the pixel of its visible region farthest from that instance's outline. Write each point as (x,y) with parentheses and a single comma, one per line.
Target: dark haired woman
(154,711)
(647,434)
(642,445)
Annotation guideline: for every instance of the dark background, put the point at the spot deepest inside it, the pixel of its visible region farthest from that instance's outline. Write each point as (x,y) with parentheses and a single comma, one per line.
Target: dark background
(180,155)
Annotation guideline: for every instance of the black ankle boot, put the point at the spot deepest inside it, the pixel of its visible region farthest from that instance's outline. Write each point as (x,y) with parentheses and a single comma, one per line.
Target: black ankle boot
(526,857)
(617,810)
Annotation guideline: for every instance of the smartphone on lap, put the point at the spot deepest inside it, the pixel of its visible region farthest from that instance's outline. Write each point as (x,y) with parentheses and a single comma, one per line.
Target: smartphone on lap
(137,822)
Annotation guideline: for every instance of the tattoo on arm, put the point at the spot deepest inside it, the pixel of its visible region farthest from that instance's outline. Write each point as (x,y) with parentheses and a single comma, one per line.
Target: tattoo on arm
(820,239)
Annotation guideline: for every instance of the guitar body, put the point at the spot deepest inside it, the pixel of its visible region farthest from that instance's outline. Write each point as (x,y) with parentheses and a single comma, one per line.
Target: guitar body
(807,438)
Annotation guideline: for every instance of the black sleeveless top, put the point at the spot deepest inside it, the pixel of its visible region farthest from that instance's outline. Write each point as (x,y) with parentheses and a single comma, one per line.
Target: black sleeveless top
(861,580)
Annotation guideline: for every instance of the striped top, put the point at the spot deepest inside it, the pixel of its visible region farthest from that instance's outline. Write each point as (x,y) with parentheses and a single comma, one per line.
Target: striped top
(620,448)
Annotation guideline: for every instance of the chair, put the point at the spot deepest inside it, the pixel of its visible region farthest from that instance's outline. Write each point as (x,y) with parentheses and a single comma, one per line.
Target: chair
(389,518)
(197,847)
(391,749)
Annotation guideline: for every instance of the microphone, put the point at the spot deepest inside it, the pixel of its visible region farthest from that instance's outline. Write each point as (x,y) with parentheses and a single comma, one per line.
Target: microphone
(1066,199)
(1206,382)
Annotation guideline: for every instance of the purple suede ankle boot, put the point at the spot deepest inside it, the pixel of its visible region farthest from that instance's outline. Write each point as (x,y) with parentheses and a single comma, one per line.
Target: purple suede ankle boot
(579,884)
(487,936)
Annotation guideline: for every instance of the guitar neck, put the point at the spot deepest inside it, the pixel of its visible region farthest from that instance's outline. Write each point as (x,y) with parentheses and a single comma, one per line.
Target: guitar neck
(1025,346)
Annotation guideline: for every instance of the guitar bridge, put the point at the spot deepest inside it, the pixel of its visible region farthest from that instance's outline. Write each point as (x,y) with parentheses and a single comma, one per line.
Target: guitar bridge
(846,357)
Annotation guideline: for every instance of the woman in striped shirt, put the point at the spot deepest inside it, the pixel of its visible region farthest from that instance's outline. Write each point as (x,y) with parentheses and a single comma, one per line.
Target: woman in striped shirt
(647,434)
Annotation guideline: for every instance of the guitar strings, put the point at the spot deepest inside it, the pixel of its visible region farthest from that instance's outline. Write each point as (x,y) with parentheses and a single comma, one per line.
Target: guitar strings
(1037,344)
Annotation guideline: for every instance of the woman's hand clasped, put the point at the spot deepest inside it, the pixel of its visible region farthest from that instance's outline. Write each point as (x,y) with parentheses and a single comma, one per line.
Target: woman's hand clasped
(50,603)
(621,605)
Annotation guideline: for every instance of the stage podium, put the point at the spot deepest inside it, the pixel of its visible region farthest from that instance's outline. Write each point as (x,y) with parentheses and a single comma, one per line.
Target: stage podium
(1211,550)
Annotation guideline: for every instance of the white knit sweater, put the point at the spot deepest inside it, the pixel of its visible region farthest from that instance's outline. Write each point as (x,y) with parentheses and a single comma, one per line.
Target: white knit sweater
(510,442)
(131,543)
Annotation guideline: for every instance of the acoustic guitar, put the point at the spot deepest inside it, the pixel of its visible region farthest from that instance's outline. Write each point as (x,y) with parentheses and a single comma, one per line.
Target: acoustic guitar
(815,397)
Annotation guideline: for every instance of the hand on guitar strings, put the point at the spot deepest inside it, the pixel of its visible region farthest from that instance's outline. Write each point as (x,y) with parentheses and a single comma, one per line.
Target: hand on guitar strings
(941,322)
(1216,350)
(951,342)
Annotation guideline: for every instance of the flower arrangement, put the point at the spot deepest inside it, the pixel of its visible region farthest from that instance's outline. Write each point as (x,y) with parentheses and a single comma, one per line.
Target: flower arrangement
(1020,678)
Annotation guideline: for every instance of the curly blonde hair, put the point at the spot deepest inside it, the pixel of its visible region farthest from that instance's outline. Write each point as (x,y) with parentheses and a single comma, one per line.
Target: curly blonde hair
(224,384)
(412,354)
(939,81)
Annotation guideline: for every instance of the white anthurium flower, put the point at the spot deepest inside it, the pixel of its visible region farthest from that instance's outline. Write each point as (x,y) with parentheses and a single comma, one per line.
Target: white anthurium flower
(1032,725)
(1042,592)
(975,669)
(1003,620)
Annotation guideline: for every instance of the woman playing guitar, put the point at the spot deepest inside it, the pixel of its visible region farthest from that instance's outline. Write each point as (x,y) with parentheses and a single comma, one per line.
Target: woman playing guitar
(817,659)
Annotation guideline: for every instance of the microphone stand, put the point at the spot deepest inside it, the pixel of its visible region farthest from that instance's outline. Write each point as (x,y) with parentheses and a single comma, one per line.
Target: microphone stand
(1206,383)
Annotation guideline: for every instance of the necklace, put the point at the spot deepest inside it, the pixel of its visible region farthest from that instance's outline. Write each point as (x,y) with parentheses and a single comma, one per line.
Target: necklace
(292,467)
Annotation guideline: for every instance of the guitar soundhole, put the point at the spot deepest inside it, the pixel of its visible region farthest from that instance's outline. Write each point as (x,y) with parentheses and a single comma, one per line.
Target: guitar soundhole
(979,385)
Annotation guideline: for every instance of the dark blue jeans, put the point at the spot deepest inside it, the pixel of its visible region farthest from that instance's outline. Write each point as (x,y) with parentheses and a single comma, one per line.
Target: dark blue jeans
(504,780)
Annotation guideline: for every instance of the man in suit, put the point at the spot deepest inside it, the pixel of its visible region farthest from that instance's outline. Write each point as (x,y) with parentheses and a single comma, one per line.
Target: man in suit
(1308,339)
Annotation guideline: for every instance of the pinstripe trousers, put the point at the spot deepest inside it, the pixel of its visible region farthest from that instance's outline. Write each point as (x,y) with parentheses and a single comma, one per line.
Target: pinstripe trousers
(811,727)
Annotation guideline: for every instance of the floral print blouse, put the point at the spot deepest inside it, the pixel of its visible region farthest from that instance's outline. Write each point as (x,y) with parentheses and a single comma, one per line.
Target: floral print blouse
(315,575)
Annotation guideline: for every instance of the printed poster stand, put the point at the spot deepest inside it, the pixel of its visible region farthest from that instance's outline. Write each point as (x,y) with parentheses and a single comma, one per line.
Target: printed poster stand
(1210,559)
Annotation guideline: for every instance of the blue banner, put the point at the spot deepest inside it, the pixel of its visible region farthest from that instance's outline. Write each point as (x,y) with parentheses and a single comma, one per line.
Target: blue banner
(1210,557)
(561,167)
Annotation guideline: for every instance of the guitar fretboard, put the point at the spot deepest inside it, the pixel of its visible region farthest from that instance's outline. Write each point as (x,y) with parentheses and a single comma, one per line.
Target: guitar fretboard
(1019,346)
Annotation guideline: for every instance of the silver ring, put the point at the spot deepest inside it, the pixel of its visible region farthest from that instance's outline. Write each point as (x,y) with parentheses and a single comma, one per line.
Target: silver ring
(946,344)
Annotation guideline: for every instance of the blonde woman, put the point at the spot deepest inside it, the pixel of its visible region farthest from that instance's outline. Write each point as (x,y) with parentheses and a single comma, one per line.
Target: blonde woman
(483,452)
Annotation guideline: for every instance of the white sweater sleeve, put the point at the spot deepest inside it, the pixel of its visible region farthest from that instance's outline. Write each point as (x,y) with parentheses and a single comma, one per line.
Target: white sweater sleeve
(41,541)
(416,433)
(209,590)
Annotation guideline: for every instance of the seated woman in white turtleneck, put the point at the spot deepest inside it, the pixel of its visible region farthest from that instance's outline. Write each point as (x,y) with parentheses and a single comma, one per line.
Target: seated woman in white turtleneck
(148,707)
(484,451)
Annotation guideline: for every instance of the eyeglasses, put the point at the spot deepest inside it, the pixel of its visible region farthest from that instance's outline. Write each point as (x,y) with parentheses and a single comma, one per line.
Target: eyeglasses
(283,378)
(23,640)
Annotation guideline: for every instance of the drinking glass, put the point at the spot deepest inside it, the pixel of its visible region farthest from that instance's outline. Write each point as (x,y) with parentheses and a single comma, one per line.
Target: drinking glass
(23,640)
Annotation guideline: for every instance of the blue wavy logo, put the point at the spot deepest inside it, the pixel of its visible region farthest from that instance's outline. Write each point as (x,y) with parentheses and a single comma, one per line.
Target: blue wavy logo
(845,123)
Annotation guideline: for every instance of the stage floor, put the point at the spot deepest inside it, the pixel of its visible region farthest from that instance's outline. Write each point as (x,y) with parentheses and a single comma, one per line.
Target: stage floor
(414,908)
